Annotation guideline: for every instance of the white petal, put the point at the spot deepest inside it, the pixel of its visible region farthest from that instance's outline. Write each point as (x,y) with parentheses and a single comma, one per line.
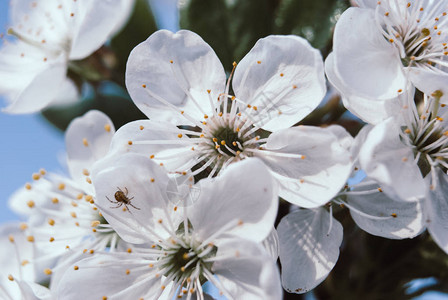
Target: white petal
(40,91)
(429,82)
(271,244)
(320,168)
(246,272)
(13,254)
(363,59)
(154,139)
(87,140)
(391,218)
(289,80)
(95,21)
(106,276)
(309,248)
(145,183)
(437,210)
(370,110)
(242,201)
(195,68)
(68,94)
(387,160)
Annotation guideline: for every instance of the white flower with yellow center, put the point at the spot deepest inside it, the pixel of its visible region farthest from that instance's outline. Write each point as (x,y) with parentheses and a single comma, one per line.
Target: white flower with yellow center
(410,158)
(198,128)
(382,46)
(51,35)
(60,211)
(18,276)
(215,239)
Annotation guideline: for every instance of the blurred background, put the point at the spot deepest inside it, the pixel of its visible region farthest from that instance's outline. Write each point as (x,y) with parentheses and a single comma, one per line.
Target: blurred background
(369,267)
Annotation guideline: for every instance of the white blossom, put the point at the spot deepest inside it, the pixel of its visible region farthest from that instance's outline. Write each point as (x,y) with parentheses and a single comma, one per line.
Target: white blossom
(383,47)
(177,79)
(408,157)
(52,34)
(215,239)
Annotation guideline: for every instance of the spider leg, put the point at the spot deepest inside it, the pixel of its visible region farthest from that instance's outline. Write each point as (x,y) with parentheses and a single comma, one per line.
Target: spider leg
(126,193)
(133,205)
(111,200)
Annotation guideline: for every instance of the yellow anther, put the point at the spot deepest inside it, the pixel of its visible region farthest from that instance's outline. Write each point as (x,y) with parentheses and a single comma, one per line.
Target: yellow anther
(30,238)
(11,238)
(302,157)
(51,222)
(141,127)
(179,135)
(209,91)
(30,203)
(220,114)
(10,277)
(215,140)
(61,186)
(259,62)
(144,86)
(400,90)
(95,223)
(129,250)
(89,181)
(84,141)
(380,190)
(23,226)
(89,198)
(55,200)
(79,196)
(391,40)
(129,143)
(28,186)
(407,131)
(91,251)
(171,61)
(36,176)
(205,117)
(73,214)
(223,143)
(152,180)
(76,268)
(386,14)
(107,127)
(85,172)
(234,64)
(394,215)
(160,221)
(128,272)
(51,239)
(25,262)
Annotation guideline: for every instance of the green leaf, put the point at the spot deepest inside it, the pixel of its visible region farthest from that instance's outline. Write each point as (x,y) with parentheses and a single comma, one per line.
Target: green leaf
(120,109)
(210,19)
(139,27)
(250,21)
(313,20)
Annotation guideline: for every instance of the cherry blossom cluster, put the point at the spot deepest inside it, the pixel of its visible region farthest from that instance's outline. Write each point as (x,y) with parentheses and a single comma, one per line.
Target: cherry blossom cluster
(183,205)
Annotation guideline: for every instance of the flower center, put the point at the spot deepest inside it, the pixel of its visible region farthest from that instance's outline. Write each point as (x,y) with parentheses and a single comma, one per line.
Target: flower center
(428,137)
(185,260)
(416,31)
(225,136)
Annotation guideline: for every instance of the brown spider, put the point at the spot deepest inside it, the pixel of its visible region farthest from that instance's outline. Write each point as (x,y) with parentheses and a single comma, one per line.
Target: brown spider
(122,199)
